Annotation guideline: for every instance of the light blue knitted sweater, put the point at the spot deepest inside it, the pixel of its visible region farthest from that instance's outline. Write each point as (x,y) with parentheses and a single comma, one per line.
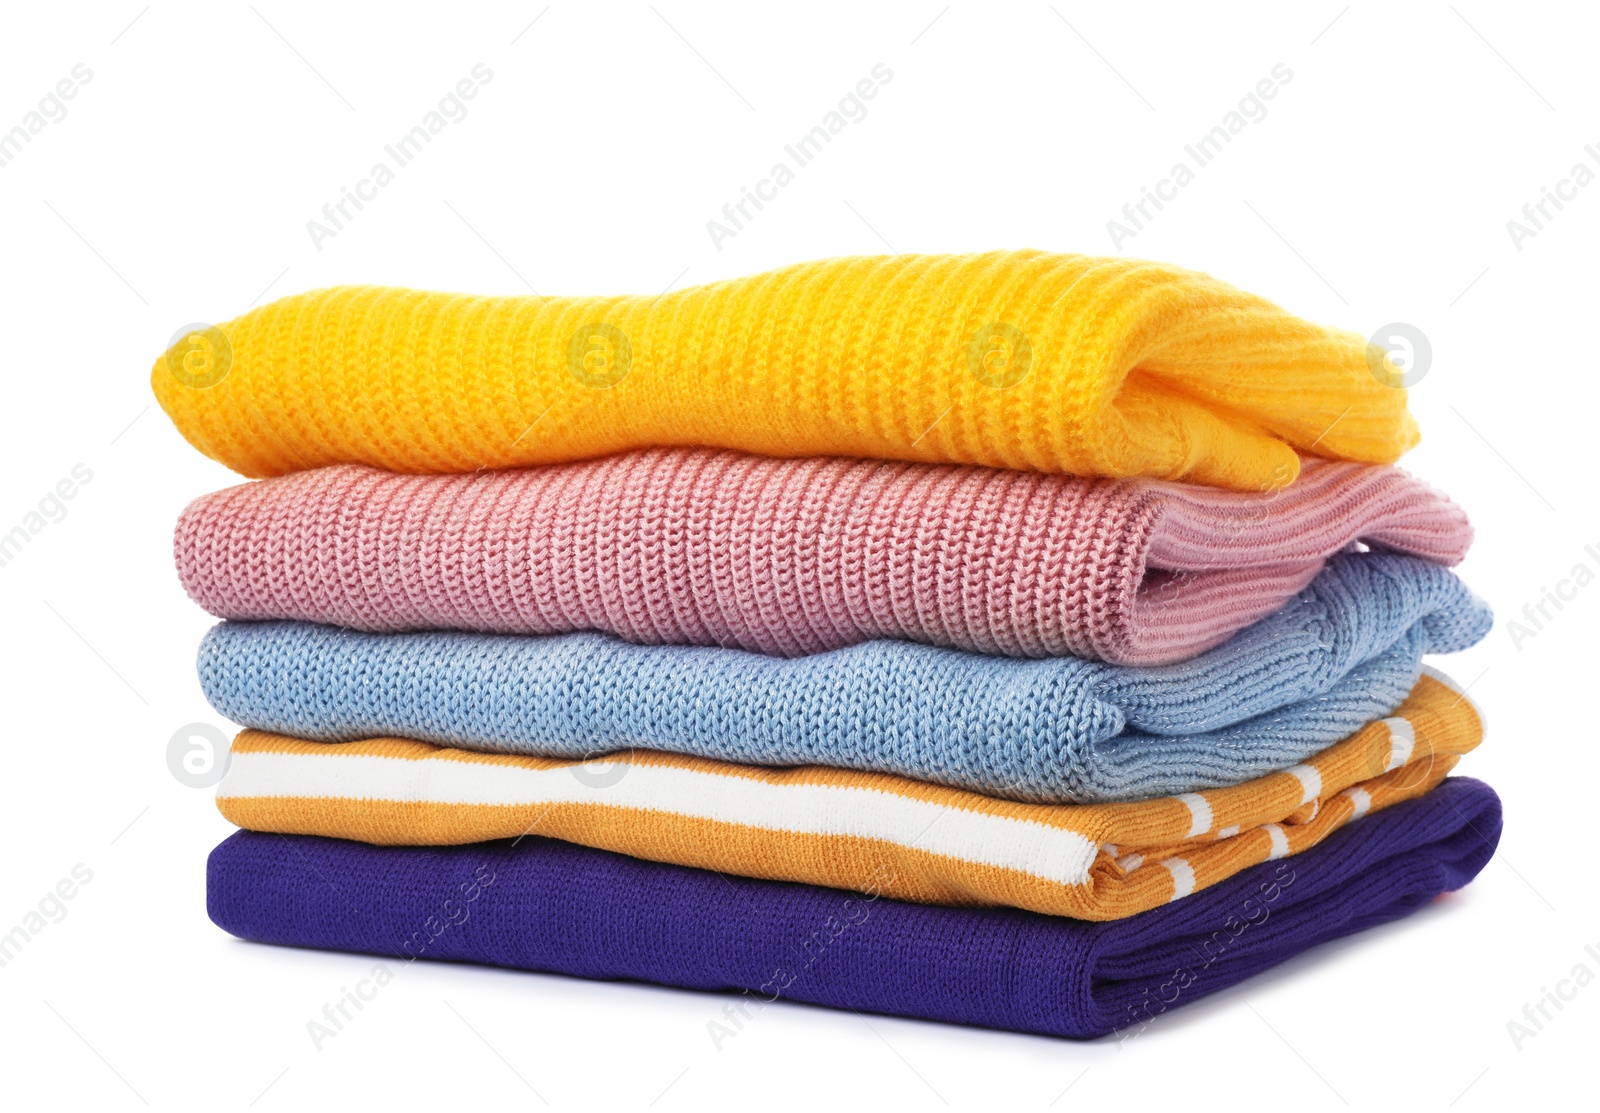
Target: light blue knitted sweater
(1345,651)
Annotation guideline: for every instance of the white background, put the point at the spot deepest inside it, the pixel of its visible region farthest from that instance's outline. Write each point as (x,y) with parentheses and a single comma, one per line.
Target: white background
(178,187)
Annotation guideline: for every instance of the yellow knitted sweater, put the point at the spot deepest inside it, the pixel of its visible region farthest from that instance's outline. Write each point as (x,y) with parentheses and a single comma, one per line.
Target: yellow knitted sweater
(1017,359)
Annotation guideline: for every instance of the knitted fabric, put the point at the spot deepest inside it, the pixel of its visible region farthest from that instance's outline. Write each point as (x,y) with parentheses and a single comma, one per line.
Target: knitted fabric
(1016,359)
(788,557)
(1345,651)
(550,906)
(908,839)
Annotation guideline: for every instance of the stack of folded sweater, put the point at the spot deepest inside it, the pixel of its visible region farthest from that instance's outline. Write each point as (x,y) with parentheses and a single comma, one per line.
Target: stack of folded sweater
(1024,640)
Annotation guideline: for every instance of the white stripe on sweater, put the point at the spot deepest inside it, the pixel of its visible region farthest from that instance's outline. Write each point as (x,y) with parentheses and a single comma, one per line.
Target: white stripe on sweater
(1310,782)
(1483,723)
(1050,853)
(1402,740)
(1199,813)
(1182,877)
(1279,839)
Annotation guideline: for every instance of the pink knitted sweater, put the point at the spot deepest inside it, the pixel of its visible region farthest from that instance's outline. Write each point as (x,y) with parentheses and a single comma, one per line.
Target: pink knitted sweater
(795,556)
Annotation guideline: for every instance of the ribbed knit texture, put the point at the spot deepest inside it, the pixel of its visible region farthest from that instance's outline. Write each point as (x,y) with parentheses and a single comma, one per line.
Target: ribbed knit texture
(1345,651)
(550,906)
(789,557)
(1016,359)
(908,839)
